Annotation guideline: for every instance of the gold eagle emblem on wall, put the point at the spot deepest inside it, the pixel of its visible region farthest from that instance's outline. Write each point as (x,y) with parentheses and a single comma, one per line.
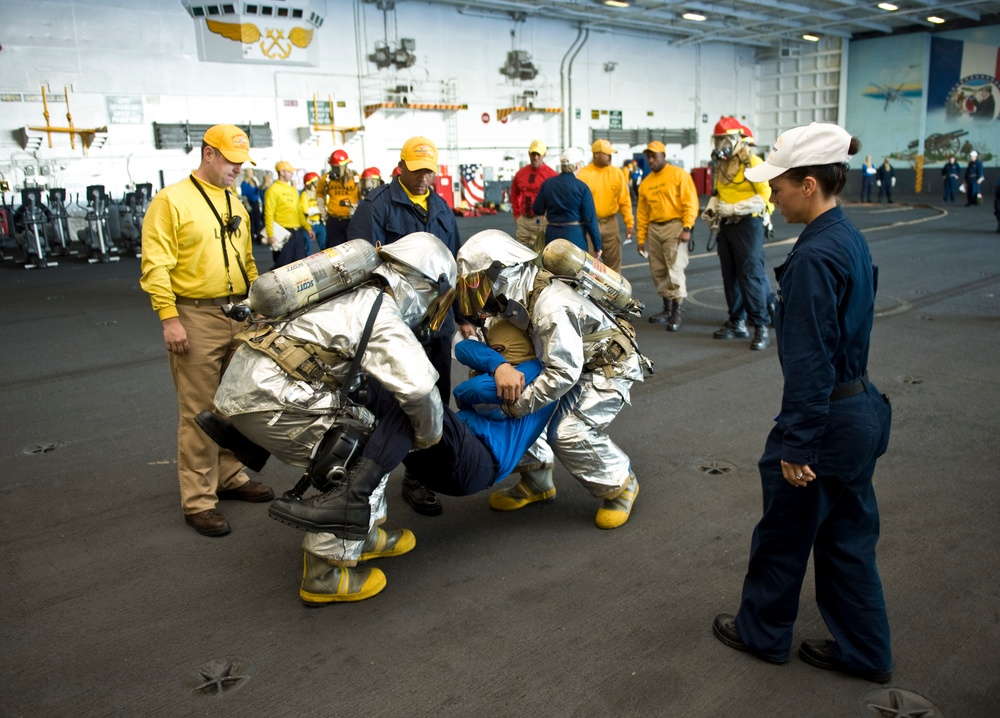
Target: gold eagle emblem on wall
(274,45)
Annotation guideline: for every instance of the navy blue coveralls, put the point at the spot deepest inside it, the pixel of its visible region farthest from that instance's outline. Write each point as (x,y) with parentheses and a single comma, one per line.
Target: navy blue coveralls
(568,207)
(387,214)
(826,299)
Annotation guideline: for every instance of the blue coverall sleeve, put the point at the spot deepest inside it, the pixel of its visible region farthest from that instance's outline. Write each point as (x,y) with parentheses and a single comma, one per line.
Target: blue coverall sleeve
(811,289)
(478,357)
(482,389)
(366,224)
(539,206)
(589,215)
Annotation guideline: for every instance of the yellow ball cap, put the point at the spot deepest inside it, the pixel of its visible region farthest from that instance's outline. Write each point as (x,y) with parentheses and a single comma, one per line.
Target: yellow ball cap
(657,147)
(231,141)
(284,167)
(538,147)
(419,153)
(603,146)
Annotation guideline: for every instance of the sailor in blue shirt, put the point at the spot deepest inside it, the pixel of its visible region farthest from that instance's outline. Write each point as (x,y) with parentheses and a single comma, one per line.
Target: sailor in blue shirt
(568,205)
(817,466)
(409,204)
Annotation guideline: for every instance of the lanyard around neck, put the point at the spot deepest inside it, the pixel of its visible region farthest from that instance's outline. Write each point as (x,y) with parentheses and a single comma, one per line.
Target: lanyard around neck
(224,231)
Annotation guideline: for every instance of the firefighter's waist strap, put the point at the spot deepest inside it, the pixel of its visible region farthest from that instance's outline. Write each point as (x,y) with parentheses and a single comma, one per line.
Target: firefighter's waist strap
(608,347)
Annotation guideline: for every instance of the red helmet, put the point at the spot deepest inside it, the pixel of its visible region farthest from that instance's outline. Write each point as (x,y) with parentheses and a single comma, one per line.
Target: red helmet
(747,135)
(396,171)
(339,157)
(371,172)
(727,126)
(310,177)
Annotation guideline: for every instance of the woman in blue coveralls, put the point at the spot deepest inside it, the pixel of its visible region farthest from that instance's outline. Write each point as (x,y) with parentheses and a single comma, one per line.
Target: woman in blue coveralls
(819,459)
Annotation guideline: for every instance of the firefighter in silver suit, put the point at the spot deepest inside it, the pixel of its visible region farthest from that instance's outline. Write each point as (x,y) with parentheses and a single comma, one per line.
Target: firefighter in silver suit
(289,417)
(573,338)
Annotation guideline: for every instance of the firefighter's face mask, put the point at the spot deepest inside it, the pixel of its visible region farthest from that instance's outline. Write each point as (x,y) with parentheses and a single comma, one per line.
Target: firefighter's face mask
(368,184)
(476,300)
(437,312)
(338,171)
(725,146)
(437,296)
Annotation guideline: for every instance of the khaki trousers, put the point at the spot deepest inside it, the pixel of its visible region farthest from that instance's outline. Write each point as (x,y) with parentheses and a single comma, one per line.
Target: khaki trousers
(203,468)
(668,257)
(531,232)
(611,242)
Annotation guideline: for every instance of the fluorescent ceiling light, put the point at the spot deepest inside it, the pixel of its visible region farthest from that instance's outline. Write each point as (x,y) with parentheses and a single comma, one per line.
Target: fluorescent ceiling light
(888,6)
(810,38)
(693,16)
(935,19)
(616,3)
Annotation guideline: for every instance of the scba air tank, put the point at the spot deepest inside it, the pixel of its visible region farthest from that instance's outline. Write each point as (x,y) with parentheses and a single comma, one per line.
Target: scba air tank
(598,281)
(313,279)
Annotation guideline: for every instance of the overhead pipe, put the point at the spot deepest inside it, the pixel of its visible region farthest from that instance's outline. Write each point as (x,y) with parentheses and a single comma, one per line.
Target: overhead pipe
(566,85)
(563,117)
(569,83)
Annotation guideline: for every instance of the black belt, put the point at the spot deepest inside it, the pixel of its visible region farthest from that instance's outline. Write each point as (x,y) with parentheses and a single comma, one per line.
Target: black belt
(848,390)
(206,302)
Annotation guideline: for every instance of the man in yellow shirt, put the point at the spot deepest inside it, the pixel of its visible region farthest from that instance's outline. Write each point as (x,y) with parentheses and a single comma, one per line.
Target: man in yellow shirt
(281,207)
(665,215)
(197,256)
(609,186)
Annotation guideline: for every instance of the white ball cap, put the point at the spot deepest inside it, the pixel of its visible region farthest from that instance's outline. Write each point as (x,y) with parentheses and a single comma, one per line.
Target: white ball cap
(571,156)
(819,143)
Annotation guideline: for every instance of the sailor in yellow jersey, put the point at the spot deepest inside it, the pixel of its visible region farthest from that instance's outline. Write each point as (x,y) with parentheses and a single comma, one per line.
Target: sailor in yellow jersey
(281,208)
(665,215)
(609,186)
(197,255)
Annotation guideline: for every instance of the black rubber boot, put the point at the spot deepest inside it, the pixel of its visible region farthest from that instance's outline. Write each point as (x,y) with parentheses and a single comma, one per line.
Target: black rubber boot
(664,316)
(732,329)
(674,322)
(419,497)
(344,510)
(223,433)
(761,339)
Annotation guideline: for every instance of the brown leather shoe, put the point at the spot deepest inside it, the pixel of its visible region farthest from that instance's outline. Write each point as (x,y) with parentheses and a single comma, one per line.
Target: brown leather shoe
(208,523)
(252,491)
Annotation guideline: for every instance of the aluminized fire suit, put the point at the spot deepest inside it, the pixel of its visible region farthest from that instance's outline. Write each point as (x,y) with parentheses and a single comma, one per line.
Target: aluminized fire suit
(589,399)
(288,417)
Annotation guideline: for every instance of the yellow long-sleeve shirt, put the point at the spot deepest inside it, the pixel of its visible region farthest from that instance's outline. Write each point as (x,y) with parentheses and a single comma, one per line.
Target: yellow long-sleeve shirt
(663,196)
(332,191)
(610,190)
(309,207)
(281,206)
(182,247)
(735,187)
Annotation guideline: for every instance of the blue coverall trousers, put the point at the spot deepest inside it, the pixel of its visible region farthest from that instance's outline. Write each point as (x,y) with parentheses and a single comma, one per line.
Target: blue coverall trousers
(836,516)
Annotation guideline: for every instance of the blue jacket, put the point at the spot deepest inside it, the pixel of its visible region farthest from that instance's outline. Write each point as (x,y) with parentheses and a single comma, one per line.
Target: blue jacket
(387,214)
(826,306)
(506,438)
(564,199)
